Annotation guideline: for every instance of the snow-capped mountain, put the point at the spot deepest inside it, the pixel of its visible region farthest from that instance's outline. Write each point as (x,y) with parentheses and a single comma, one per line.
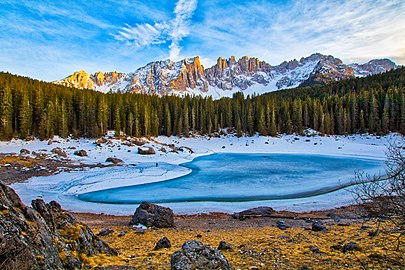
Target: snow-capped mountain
(227,76)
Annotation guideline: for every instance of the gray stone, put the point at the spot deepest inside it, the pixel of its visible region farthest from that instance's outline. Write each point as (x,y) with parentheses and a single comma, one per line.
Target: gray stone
(317,226)
(351,246)
(105,231)
(163,243)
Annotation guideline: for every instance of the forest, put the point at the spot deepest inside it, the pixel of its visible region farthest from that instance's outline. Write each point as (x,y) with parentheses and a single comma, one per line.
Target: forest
(31,108)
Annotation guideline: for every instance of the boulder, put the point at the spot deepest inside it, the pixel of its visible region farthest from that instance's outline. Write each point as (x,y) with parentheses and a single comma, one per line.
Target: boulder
(150,215)
(80,153)
(114,160)
(317,226)
(163,243)
(194,255)
(146,150)
(262,211)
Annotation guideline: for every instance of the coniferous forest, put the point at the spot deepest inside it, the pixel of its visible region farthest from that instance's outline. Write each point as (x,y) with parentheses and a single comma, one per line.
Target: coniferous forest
(375,104)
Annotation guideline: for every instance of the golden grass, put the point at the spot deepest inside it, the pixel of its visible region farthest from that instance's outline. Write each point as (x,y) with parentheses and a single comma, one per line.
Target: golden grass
(264,248)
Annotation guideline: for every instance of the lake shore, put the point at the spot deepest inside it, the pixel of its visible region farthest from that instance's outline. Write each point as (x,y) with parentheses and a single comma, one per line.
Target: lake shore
(172,151)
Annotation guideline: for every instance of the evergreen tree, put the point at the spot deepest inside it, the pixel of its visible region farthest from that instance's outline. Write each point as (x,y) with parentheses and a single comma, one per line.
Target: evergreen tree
(6,117)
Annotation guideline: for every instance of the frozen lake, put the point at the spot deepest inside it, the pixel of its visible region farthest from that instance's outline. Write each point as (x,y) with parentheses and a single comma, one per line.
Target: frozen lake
(237,178)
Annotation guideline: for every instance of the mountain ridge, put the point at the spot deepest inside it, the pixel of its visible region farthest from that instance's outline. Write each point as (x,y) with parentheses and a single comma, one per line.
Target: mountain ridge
(247,74)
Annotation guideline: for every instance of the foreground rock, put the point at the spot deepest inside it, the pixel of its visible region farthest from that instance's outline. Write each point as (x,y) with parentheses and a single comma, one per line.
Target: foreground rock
(150,214)
(43,236)
(194,255)
(262,211)
(224,246)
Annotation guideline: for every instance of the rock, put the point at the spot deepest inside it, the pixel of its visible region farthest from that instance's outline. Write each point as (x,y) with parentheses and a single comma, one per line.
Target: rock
(58,151)
(282,225)
(25,151)
(100,141)
(49,142)
(162,243)
(121,234)
(314,249)
(146,150)
(224,246)
(140,230)
(115,267)
(372,233)
(80,153)
(351,246)
(44,236)
(336,247)
(163,149)
(261,211)
(114,160)
(194,255)
(150,215)
(105,231)
(317,226)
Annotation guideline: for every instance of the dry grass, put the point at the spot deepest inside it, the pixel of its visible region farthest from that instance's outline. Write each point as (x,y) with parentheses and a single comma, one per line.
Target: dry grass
(261,247)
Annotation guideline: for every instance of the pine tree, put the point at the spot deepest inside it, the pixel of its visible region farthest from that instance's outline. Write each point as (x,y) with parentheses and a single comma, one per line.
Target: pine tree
(273,127)
(6,117)
(168,122)
(25,116)
(261,123)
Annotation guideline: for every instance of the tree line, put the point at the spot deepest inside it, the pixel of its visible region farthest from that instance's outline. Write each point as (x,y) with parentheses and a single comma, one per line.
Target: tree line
(375,104)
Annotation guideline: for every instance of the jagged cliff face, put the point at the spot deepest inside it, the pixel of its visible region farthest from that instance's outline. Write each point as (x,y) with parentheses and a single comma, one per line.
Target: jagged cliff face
(228,76)
(43,236)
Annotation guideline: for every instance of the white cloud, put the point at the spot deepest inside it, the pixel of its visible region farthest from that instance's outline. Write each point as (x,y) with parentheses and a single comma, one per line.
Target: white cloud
(180,26)
(142,35)
(175,30)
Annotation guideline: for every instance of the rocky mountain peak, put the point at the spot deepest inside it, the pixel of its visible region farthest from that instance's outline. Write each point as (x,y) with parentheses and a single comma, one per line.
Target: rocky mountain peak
(227,76)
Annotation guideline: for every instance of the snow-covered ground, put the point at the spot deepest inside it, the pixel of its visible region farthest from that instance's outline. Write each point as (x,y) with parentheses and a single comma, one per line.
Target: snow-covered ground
(138,169)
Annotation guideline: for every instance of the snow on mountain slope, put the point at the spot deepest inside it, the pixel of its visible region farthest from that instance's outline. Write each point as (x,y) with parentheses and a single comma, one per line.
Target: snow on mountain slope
(249,75)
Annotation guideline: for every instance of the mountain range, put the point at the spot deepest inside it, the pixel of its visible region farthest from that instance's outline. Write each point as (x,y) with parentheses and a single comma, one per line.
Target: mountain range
(227,76)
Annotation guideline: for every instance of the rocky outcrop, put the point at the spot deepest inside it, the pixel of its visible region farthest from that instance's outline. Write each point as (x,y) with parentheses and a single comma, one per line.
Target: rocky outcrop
(43,236)
(189,76)
(150,214)
(194,255)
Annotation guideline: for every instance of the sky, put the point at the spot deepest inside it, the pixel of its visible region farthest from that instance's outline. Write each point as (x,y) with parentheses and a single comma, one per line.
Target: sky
(48,40)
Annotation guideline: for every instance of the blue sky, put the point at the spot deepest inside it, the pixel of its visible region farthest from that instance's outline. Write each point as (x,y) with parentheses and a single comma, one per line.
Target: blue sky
(48,40)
